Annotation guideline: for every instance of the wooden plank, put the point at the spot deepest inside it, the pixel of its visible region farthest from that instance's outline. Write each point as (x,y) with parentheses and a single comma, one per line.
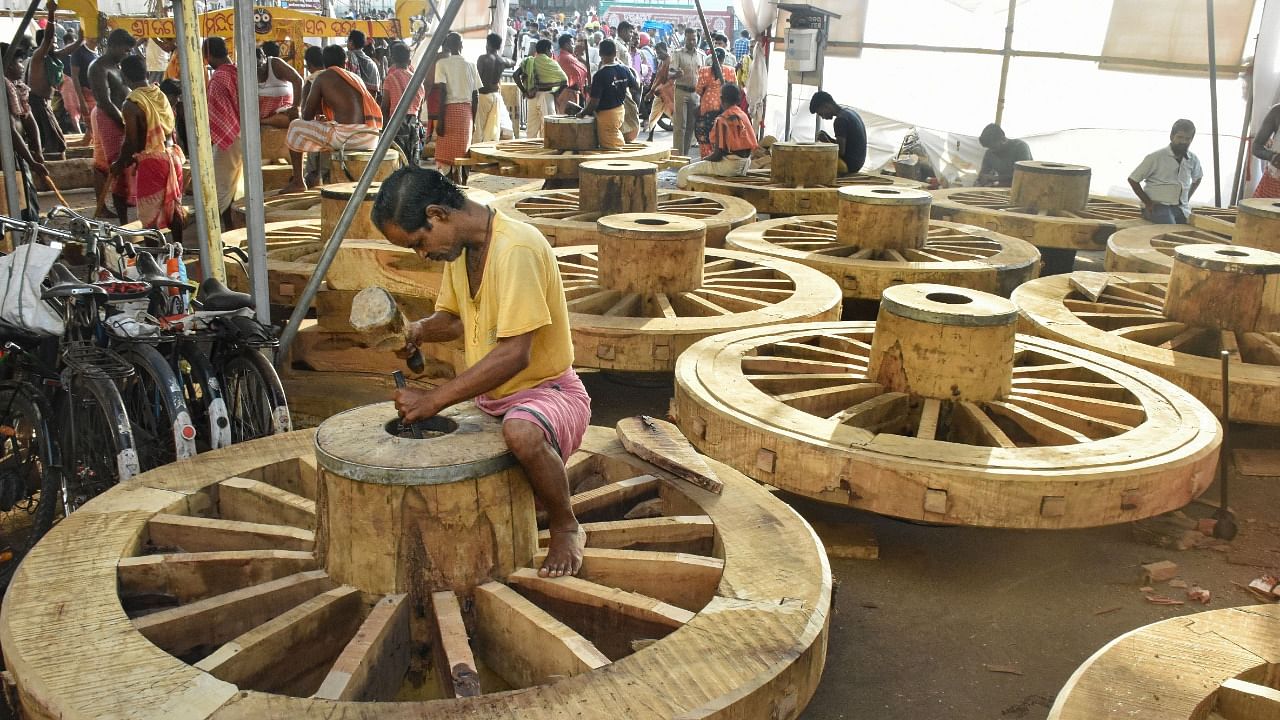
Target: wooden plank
(1090,284)
(524,644)
(1118,412)
(775,364)
(257,502)
(1257,462)
(1040,428)
(296,475)
(972,425)
(454,663)
(196,534)
(1241,700)
(372,666)
(646,533)
(1085,424)
(191,576)
(827,401)
(683,580)
(1258,348)
(929,412)
(661,443)
(615,493)
(1152,333)
(218,619)
(275,654)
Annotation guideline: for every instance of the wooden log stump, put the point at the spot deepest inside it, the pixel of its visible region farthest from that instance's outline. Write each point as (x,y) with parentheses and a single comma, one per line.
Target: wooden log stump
(944,342)
(1041,185)
(883,218)
(651,253)
(567,132)
(804,164)
(357,161)
(511,98)
(613,187)
(274,147)
(1258,224)
(1231,288)
(334,199)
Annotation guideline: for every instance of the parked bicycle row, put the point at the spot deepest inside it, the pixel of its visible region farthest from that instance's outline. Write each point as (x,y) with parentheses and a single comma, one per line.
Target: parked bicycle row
(114,363)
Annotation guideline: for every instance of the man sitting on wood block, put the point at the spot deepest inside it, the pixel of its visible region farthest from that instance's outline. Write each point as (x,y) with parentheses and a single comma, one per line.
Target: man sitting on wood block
(851,133)
(732,139)
(1002,155)
(501,293)
(353,117)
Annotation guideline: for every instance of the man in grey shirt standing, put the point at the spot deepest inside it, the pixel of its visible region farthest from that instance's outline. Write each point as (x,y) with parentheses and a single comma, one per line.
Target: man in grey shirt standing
(1166,179)
(685,63)
(363,65)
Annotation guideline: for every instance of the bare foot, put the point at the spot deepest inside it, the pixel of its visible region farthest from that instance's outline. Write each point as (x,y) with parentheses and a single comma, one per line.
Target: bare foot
(293,187)
(564,553)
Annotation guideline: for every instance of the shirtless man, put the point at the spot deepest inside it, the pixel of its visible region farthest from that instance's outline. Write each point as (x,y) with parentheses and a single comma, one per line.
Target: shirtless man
(109,93)
(45,74)
(353,117)
(489,104)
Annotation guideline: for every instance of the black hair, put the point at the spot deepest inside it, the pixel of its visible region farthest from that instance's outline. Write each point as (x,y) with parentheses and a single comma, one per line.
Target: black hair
(991,134)
(355,37)
(730,94)
(493,41)
(819,99)
(661,45)
(271,49)
(746,33)
(216,47)
(624,25)
(399,54)
(169,86)
(406,194)
(40,36)
(719,37)
(543,47)
(566,40)
(334,56)
(134,68)
(313,56)
(1183,125)
(120,37)
(608,48)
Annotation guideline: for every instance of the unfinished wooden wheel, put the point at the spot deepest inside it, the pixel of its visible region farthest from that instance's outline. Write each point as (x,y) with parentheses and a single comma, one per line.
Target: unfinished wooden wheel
(1214,219)
(208,591)
(1215,664)
(936,412)
(1228,304)
(771,197)
(651,288)
(1149,248)
(531,159)
(995,209)
(883,237)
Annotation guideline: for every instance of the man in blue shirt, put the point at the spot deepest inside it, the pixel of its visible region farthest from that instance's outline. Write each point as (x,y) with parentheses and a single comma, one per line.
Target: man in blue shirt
(742,45)
(850,132)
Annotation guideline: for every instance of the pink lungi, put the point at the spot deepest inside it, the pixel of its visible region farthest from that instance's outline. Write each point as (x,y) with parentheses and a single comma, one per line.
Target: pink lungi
(560,406)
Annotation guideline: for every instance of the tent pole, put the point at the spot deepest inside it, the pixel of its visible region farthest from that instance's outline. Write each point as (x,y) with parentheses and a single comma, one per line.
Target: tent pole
(1004,63)
(251,136)
(204,186)
(1213,106)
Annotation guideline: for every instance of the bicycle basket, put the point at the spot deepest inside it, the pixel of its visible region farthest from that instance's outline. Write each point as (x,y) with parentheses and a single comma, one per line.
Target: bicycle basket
(92,360)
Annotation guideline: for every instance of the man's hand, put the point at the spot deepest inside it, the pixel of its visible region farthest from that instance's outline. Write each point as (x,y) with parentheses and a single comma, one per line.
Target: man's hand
(824,137)
(414,404)
(53,8)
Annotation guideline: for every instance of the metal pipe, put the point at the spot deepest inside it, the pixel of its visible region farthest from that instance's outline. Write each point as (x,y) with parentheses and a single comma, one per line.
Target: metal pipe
(204,186)
(366,179)
(8,158)
(1004,63)
(251,137)
(1213,106)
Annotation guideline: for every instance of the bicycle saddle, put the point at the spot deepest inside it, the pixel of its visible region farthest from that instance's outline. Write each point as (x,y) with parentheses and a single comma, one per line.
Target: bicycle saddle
(151,272)
(64,284)
(214,295)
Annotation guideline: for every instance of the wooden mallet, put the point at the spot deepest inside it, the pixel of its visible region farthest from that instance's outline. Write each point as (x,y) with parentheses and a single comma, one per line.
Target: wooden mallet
(374,310)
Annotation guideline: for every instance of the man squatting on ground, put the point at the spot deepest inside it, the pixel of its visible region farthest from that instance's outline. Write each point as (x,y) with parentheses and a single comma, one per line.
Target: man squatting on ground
(501,293)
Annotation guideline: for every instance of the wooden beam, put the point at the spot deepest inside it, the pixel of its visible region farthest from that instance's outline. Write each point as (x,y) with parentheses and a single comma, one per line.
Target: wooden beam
(1240,700)
(647,534)
(686,581)
(296,475)
(613,494)
(192,576)
(196,534)
(524,644)
(455,664)
(218,619)
(372,666)
(929,412)
(970,424)
(257,502)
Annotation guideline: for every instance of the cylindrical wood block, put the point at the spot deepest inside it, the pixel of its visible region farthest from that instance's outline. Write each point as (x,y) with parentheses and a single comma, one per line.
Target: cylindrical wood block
(885,218)
(334,199)
(1258,224)
(1224,286)
(804,164)
(357,161)
(651,253)
(612,187)
(944,342)
(273,144)
(397,514)
(568,132)
(1041,185)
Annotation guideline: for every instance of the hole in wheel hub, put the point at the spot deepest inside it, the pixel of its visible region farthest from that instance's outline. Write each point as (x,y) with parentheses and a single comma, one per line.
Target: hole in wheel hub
(432,427)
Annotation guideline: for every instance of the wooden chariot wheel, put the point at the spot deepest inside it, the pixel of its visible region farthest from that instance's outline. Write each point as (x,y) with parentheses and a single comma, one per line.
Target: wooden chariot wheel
(223,588)
(771,197)
(530,158)
(1215,665)
(1214,219)
(1149,248)
(649,291)
(1139,319)
(993,208)
(937,412)
(871,246)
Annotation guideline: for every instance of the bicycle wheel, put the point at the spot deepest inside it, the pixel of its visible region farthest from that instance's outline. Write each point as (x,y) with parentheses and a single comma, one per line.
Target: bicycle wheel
(97,446)
(29,480)
(202,390)
(158,414)
(255,398)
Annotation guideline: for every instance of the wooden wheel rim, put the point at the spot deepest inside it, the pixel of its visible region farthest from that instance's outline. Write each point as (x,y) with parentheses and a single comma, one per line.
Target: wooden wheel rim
(758,188)
(1149,248)
(610,329)
(1214,219)
(954,254)
(556,213)
(1046,305)
(763,634)
(1062,229)
(529,158)
(743,418)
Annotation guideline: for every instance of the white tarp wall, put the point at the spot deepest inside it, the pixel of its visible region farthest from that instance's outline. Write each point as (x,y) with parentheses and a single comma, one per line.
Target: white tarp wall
(1067,110)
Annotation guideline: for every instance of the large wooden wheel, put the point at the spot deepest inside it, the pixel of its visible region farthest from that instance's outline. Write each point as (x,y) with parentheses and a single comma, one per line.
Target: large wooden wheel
(196,590)
(771,197)
(993,208)
(1149,248)
(1214,219)
(1215,664)
(529,158)
(894,422)
(870,253)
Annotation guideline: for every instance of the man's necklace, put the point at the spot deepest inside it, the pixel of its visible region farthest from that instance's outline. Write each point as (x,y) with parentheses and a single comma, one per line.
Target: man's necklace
(480,260)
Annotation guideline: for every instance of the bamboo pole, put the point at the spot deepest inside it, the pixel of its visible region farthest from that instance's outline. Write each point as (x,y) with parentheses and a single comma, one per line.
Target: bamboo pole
(1213,106)
(251,136)
(1004,63)
(204,188)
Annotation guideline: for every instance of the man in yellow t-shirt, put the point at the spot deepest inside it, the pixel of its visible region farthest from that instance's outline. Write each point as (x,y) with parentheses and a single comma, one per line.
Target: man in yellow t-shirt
(501,293)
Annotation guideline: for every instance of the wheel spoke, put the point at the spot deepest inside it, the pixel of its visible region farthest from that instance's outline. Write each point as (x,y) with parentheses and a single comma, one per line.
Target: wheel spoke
(874,413)
(818,352)
(685,581)
(691,305)
(1183,339)
(659,533)
(1086,425)
(187,577)
(662,304)
(929,413)
(1039,428)
(969,424)
(1074,388)
(257,502)
(1151,333)
(455,665)
(595,303)
(777,383)
(626,306)
(198,534)
(777,364)
(733,301)
(372,666)
(524,644)
(613,494)
(1258,348)
(1120,413)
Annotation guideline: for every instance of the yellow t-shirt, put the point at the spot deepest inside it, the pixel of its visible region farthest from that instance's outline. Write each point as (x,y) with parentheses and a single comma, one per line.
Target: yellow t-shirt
(520,292)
